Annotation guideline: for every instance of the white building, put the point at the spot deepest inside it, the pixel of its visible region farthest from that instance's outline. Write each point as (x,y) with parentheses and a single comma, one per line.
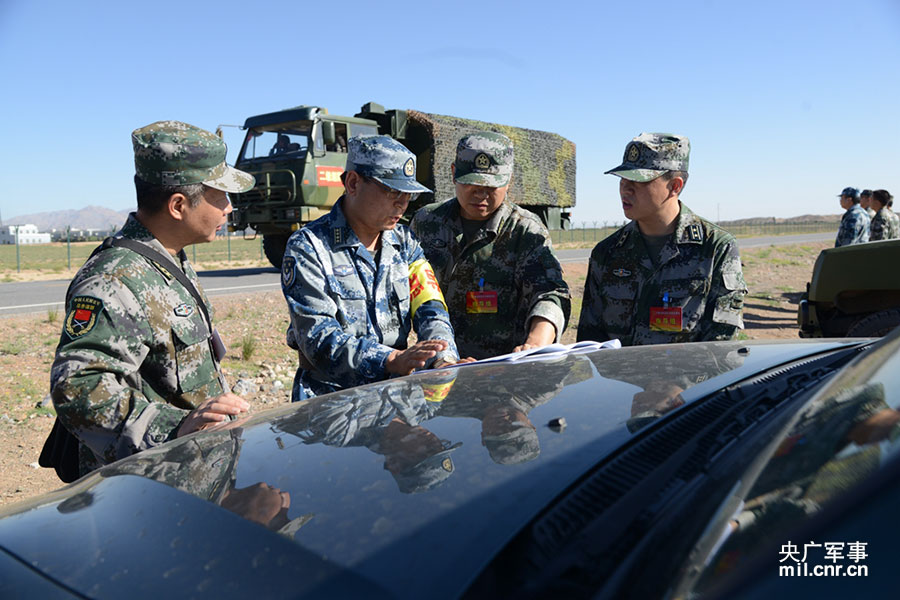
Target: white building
(28,234)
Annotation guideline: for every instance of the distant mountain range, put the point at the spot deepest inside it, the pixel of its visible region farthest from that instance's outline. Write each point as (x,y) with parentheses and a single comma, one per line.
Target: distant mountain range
(97,217)
(90,217)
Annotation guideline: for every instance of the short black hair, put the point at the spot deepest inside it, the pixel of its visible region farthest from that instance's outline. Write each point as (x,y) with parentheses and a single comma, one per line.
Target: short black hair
(670,175)
(152,197)
(883,197)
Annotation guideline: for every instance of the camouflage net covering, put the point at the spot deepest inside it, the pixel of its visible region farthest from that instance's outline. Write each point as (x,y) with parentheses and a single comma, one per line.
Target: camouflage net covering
(544,171)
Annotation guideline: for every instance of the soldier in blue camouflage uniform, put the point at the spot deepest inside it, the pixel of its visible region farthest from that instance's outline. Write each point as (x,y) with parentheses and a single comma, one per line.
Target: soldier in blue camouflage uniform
(668,276)
(865,200)
(884,224)
(135,365)
(357,282)
(494,261)
(854,227)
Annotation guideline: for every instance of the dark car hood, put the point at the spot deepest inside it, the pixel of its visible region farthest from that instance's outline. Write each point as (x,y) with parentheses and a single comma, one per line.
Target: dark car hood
(413,482)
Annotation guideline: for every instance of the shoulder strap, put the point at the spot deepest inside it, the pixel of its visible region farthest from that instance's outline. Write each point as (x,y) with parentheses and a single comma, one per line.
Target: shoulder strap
(160,259)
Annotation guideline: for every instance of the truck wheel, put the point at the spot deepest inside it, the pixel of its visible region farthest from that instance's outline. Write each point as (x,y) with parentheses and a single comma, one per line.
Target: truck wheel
(274,245)
(875,325)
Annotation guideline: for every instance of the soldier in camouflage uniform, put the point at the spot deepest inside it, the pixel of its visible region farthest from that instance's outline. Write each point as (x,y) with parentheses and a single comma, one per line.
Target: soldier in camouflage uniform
(865,199)
(494,261)
(854,227)
(668,276)
(136,364)
(356,282)
(884,224)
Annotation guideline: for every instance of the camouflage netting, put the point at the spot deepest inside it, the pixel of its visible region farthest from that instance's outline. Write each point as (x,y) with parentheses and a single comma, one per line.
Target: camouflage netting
(544,173)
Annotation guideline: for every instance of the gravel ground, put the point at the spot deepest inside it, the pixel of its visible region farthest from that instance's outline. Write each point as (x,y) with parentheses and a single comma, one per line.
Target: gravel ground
(259,366)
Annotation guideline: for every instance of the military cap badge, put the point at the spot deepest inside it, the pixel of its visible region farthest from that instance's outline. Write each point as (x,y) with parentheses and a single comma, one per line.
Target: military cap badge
(633,153)
(409,169)
(482,162)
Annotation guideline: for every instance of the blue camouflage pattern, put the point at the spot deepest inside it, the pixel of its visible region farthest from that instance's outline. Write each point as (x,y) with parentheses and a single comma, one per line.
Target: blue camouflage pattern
(854,227)
(349,312)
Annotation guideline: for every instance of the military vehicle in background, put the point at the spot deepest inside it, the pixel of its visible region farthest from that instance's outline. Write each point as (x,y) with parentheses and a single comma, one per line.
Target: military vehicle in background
(854,292)
(298,155)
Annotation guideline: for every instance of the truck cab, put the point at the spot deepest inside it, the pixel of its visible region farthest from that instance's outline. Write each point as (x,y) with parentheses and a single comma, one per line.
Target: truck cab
(297,156)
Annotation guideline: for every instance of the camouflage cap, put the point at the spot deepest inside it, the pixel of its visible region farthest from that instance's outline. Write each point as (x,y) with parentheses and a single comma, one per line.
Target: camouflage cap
(650,155)
(850,192)
(175,153)
(386,160)
(484,158)
(865,194)
(427,473)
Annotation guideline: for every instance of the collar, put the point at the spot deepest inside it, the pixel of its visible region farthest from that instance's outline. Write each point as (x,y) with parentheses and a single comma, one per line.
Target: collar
(341,235)
(493,223)
(135,230)
(688,228)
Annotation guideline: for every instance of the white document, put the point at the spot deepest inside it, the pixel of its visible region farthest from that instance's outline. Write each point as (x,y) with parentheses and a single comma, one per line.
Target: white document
(546,352)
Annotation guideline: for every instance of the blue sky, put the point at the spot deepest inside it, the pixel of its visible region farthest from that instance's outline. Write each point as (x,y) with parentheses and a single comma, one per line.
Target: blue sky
(785,102)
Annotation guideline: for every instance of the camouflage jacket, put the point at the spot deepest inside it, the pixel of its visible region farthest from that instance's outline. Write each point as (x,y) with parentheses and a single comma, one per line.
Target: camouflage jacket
(884,226)
(134,356)
(854,227)
(699,270)
(348,313)
(513,255)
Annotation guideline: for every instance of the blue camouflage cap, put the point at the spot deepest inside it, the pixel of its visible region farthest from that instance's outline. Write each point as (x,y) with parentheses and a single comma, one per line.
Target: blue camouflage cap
(850,192)
(386,160)
(650,155)
(176,153)
(484,158)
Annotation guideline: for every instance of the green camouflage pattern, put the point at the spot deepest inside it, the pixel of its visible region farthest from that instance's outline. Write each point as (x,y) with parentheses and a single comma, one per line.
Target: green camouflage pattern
(649,155)
(176,153)
(699,269)
(884,226)
(544,169)
(514,256)
(484,158)
(384,159)
(134,357)
(854,228)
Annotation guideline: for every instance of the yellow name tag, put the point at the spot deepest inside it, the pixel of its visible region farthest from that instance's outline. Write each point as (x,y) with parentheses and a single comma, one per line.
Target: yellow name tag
(423,285)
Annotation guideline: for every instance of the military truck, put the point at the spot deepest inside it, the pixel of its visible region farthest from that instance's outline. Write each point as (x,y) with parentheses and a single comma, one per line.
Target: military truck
(298,155)
(854,292)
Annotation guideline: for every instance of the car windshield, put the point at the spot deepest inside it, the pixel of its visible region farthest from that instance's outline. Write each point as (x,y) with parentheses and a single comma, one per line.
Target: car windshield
(276,144)
(844,435)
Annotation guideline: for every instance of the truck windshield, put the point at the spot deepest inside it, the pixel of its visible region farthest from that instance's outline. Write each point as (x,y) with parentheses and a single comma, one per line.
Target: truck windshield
(276,144)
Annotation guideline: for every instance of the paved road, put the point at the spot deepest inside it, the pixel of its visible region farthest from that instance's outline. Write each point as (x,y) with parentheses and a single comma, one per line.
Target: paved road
(40,296)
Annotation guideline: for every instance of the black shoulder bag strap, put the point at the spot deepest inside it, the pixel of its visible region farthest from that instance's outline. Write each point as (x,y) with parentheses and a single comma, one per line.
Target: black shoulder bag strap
(161,260)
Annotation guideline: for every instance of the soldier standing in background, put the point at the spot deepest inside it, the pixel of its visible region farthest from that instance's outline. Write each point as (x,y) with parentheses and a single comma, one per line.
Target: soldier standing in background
(865,198)
(884,224)
(493,260)
(854,227)
(668,275)
(356,281)
(138,359)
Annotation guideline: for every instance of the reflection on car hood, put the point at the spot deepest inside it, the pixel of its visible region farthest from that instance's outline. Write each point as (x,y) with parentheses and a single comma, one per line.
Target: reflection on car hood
(420,480)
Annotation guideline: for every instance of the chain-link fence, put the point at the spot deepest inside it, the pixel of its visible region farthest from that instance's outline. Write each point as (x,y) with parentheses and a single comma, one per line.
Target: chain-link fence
(234,250)
(595,231)
(59,257)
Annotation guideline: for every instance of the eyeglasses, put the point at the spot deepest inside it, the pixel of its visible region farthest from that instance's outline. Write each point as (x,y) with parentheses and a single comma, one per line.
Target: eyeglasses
(392,194)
